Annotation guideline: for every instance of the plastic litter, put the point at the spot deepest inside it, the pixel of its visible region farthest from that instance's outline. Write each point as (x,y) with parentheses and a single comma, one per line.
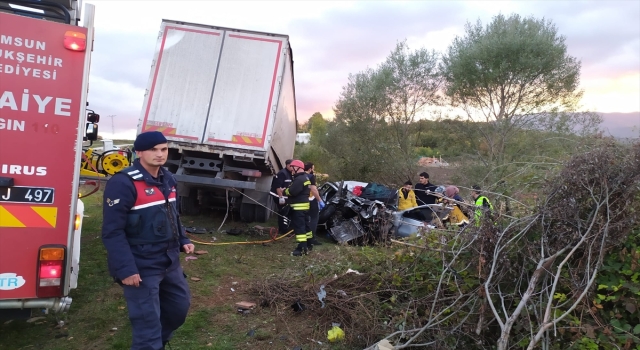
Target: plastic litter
(335,333)
(384,345)
(321,295)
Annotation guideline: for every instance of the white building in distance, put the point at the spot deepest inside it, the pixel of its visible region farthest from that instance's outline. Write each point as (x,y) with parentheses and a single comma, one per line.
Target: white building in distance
(303,137)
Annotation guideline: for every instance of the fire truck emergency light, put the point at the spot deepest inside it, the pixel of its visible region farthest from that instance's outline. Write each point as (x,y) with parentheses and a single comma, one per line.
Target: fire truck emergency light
(75,41)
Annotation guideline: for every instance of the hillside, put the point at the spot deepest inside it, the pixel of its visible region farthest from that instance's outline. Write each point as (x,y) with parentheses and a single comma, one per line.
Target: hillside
(621,125)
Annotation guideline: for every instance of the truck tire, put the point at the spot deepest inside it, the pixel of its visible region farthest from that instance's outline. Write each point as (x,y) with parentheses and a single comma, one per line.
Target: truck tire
(247,212)
(189,205)
(263,213)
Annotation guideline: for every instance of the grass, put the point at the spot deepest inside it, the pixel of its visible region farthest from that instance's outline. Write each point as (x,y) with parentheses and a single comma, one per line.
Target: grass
(98,317)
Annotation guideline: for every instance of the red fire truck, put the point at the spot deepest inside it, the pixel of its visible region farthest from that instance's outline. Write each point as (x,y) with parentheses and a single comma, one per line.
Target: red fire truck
(44,77)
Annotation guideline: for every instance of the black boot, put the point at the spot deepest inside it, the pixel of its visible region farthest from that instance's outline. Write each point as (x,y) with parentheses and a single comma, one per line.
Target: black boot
(300,250)
(313,241)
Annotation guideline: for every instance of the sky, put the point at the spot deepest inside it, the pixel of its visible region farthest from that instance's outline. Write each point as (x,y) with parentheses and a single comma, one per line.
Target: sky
(331,40)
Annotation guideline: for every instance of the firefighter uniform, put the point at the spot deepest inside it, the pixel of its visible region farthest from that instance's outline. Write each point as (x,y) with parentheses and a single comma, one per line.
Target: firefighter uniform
(298,193)
(142,234)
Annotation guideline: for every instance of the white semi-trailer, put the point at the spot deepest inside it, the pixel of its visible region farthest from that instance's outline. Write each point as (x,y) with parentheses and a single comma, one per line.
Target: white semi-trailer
(225,100)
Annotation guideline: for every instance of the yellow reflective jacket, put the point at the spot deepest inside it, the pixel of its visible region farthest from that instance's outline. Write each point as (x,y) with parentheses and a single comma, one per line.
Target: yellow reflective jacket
(408,201)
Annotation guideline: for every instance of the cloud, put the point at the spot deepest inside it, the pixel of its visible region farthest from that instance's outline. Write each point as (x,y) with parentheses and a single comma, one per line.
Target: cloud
(123,57)
(331,40)
(123,100)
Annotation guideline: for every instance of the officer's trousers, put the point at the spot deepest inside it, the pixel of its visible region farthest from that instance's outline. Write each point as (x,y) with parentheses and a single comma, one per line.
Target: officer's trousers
(314,213)
(157,308)
(284,219)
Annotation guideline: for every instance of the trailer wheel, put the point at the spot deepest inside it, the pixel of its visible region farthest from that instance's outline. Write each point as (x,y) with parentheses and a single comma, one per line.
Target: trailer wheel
(247,212)
(189,205)
(264,213)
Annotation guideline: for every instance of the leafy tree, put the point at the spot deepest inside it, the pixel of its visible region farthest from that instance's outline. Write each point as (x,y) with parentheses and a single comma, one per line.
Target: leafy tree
(313,151)
(371,133)
(357,122)
(514,74)
(317,128)
(515,80)
(411,82)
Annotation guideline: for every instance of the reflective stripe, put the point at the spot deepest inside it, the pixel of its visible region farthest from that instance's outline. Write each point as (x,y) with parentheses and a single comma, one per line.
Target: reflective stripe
(301,238)
(300,206)
(307,183)
(147,205)
(309,235)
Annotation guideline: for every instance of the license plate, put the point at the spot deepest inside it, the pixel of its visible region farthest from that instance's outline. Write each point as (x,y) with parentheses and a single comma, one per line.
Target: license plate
(26,194)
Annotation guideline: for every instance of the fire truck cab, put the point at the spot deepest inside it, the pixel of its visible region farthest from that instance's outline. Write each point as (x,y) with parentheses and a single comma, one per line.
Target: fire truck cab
(44,76)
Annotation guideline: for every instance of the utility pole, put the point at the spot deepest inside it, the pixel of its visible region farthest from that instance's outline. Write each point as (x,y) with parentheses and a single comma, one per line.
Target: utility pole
(113,130)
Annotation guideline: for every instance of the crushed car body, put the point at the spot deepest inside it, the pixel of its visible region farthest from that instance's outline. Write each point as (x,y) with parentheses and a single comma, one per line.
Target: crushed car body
(362,213)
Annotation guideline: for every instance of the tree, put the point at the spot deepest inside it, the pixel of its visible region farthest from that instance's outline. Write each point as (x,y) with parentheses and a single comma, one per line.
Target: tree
(317,128)
(514,73)
(511,77)
(411,82)
(371,133)
(313,151)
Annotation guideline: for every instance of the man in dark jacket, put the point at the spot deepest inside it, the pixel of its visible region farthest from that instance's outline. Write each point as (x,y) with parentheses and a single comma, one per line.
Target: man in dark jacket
(423,192)
(143,236)
(280,182)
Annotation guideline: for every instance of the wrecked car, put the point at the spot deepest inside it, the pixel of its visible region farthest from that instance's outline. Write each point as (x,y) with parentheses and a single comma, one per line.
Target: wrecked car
(372,215)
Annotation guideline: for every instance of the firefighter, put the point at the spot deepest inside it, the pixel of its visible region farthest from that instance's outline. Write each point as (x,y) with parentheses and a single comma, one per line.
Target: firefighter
(280,182)
(143,236)
(298,196)
(482,204)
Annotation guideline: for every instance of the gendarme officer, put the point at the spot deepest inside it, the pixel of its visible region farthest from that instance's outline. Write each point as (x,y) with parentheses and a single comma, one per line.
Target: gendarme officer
(142,233)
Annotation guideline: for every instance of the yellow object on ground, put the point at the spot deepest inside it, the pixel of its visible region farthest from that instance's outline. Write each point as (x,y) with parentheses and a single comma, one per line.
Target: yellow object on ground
(335,334)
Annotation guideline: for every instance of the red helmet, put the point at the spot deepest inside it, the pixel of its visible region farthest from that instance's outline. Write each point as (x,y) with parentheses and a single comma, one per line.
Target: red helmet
(297,163)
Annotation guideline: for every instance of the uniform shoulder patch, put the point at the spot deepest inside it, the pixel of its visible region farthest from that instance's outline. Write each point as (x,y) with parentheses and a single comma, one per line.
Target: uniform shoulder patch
(111,203)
